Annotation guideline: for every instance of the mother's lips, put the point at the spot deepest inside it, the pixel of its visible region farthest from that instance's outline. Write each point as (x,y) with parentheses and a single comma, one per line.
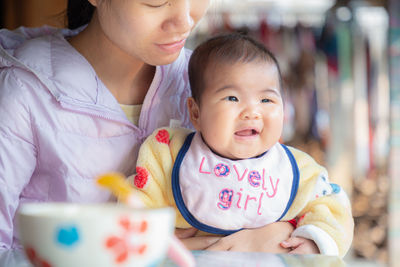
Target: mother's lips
(172,47)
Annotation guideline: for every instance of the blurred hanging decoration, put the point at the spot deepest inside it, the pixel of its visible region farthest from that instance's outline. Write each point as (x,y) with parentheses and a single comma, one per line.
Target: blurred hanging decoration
(371,115)
(394,166)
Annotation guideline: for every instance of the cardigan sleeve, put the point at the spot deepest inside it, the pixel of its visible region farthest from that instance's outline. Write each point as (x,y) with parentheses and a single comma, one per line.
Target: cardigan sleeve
(322,209)
(152,181)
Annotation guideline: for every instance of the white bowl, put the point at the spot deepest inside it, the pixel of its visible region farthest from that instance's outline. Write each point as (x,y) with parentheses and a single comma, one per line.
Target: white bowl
(101,235)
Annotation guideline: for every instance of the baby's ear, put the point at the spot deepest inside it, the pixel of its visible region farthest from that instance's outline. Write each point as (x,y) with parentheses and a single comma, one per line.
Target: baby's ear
(194,112)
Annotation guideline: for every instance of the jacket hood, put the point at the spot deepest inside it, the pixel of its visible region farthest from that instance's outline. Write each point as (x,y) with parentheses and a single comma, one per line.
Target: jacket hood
(12,40)
(45,53)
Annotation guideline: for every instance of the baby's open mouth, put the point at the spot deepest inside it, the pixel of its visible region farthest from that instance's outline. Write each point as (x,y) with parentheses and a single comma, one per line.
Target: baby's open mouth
(247,132)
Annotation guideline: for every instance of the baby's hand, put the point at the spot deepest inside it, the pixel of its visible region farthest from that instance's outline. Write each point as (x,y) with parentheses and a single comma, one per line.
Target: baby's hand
(300,245)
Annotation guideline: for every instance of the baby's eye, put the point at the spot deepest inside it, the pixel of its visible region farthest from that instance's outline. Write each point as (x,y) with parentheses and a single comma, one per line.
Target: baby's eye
(232,98)
(266,100)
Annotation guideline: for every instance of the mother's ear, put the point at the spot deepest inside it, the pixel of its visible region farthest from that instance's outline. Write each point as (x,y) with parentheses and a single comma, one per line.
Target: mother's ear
(194,112)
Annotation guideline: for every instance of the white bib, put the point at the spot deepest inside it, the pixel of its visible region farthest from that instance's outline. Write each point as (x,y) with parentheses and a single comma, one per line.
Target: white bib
(221,196)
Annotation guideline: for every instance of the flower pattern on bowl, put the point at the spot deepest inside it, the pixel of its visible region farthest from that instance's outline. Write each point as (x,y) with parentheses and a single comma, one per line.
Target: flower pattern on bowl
(131,240)
(35,259)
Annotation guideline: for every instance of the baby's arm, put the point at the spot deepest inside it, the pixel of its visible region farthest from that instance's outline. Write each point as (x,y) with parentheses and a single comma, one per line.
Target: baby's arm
(322,209)
(152,182)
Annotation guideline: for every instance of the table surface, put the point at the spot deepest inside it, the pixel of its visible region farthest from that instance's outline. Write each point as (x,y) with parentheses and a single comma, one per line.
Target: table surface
(244,259)
(12,258)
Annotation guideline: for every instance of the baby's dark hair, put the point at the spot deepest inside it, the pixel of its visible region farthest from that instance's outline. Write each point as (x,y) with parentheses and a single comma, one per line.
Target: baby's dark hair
(227,49)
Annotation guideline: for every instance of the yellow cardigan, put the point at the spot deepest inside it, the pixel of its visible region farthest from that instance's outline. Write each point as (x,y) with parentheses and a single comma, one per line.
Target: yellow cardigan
(328,216)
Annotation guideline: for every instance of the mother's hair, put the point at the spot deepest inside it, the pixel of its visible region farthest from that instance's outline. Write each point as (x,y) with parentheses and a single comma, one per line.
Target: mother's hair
(79,12)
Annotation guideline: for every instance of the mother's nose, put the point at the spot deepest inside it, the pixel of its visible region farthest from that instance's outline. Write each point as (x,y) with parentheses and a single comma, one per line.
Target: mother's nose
(180,19)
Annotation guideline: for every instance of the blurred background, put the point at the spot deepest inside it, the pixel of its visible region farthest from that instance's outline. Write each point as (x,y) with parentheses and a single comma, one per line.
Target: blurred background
(341,66)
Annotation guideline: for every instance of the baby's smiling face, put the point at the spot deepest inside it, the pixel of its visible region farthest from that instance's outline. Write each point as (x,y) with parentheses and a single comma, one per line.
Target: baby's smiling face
(241,109)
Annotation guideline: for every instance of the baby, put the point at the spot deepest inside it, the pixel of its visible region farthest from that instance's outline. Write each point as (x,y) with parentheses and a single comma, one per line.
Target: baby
(232,173)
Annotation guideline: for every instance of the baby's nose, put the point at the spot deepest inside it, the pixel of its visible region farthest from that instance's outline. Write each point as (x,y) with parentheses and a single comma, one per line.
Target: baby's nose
(250,114)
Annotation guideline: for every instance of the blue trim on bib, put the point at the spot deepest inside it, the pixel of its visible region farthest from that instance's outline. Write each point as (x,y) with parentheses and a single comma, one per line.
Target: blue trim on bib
(296,178)
(180,204)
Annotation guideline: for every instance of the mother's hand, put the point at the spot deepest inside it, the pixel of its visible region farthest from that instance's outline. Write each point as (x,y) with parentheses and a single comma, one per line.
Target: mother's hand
(263,239)
(192,242)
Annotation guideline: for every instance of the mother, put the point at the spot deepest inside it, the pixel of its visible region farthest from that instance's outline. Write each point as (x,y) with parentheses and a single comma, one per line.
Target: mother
(78,102)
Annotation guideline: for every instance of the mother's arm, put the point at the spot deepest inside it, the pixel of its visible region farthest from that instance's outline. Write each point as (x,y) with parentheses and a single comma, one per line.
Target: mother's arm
(263,239)
(17,151)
